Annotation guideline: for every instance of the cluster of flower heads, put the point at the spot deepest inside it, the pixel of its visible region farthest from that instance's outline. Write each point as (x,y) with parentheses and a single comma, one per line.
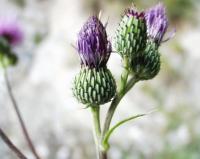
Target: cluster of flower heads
(94,48)
(137,40)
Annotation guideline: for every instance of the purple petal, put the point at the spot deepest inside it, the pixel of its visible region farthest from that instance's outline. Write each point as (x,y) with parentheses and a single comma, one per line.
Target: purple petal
(93,46)
(157,22)
(134,13)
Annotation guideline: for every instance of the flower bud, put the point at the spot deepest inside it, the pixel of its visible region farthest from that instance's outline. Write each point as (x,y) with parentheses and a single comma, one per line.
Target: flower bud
(7,57)
(10,35)
(131,35)
(94,86)
(146,65)
(10,30)
(93,47)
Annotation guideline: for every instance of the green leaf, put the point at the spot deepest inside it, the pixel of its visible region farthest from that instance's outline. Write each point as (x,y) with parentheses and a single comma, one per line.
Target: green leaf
(108,134)
(8,60)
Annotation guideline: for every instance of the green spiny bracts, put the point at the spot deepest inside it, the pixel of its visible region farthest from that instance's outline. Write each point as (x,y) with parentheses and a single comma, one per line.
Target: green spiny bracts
(146,65)
(94,86)
(131,34)
(7,57)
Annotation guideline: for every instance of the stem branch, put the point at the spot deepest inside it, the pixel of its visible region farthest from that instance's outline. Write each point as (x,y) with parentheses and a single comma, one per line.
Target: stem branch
(117,98)
(19,116)
(9,143)
(108,134)
(123,90)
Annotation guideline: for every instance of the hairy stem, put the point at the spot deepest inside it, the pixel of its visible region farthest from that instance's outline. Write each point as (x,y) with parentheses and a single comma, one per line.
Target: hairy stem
(9,143)
(19,116)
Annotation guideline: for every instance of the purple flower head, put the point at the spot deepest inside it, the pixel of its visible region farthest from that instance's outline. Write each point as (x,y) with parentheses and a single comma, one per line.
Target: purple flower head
(10,30)
(157,22)
(93,47)
(134,13)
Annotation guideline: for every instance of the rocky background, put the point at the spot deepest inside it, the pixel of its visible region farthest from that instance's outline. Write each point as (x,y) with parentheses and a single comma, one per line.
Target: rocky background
(58,124)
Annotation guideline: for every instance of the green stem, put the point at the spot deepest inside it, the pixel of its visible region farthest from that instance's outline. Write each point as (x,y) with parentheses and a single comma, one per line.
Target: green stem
(117,98)
(123,90)
(96,120)
(130,84)
(124,76)
(97,130)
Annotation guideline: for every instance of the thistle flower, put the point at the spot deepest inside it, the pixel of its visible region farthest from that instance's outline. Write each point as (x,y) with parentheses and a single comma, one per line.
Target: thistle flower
(93,47)
(10,30)
(131,36)
(94,85)
(157,23)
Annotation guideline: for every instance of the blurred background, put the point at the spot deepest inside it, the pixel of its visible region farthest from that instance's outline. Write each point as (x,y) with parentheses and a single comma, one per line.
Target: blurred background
(58,124)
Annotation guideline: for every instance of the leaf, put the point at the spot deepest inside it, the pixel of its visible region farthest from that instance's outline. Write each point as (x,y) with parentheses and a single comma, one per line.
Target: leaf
(108,134)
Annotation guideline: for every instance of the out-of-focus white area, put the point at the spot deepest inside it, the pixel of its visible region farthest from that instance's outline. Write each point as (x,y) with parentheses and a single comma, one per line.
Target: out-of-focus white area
(58,124)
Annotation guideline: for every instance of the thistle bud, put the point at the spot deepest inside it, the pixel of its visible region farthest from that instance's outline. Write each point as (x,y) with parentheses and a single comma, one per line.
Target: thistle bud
(94,87)
(7,57)
(131,34)
(146,65)
(10,35)
(157,23)
(93,47)
(10,30)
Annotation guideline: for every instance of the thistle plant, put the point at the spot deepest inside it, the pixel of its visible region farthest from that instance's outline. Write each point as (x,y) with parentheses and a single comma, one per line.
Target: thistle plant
(137,40)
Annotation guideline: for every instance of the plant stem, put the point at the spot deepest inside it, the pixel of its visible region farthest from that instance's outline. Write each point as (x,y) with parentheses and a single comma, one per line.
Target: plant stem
(9,143)
(97,128)
(114,104)
(101,154)
(117,98)
(96,120)
(19,116)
